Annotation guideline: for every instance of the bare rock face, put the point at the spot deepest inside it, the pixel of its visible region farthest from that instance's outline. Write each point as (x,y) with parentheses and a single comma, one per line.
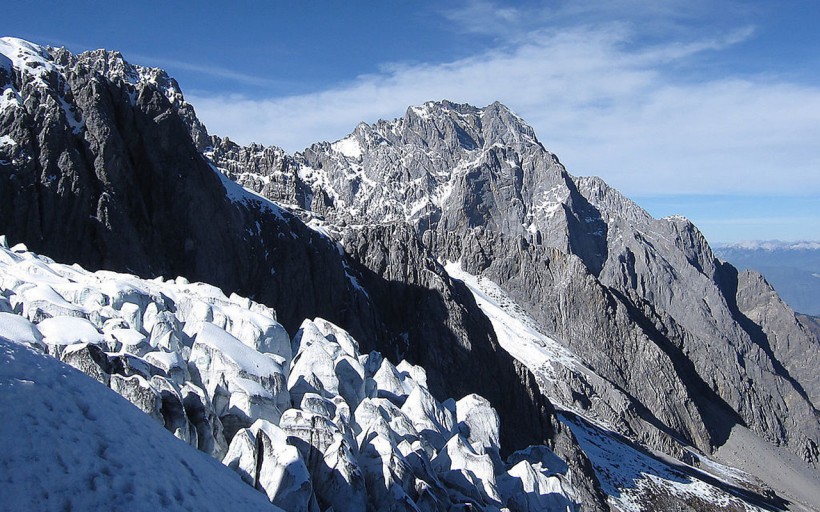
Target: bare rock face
(638,299)
(444,331)
(267,170)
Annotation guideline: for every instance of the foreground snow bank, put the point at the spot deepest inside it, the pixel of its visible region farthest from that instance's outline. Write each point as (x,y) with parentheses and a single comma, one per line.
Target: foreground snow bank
(71,444)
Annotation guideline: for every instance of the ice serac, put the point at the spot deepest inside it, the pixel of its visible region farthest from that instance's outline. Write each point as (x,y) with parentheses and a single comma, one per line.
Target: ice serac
(355,442)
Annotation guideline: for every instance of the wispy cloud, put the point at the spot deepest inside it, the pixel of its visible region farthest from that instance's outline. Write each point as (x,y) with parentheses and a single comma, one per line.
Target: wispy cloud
(483,17)
(602,103)
(170,65)
(204,69)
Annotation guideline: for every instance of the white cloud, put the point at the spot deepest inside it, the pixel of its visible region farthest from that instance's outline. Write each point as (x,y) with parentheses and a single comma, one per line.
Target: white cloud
(602,105)
(205,69)
(484,17)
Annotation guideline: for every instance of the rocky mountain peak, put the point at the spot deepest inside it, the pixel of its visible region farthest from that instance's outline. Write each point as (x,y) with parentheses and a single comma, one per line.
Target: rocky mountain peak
(463,126)
(28,58)
(415,168)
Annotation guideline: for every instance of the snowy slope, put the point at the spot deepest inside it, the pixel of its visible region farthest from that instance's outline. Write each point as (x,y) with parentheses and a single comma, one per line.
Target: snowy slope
(633,478)
(71,444)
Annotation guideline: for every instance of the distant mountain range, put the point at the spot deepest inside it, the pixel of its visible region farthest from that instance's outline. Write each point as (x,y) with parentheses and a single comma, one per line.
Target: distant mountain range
(793,268)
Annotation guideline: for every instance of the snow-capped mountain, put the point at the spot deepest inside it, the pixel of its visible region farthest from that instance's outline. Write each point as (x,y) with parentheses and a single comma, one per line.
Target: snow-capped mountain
(478,188)
(630,298)
(771,245)
(627,366)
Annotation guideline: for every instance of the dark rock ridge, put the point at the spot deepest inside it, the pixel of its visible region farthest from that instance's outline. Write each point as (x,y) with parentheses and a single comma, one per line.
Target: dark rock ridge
(105,171)
(124,188)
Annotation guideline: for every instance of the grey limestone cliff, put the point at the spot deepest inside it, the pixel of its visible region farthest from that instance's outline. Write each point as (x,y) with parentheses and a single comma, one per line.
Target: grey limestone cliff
(638,299)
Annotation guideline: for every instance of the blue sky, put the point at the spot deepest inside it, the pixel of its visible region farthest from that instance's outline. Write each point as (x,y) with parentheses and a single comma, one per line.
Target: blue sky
(709,111)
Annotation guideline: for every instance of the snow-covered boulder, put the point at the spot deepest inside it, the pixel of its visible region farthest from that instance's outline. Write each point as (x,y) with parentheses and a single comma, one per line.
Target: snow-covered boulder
(317,404)
(200,412)
(412,371)
(137,390)
(374,412)
(241,456)
(173,412)
(241,401)
(127,365)
(459,457)
(308,334)
(541,458)
(388,477)
(166,332)
(336,334)
(132,314)
(128,340)
(172,363)
(19,330)
(389,383)
(41,301)
(350,373)
(193,313)
(432,493)
(89,359)
(313,369)
(529,490)
(257,330)
(311,433)
(326,363)
(123,289)
(59,332)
